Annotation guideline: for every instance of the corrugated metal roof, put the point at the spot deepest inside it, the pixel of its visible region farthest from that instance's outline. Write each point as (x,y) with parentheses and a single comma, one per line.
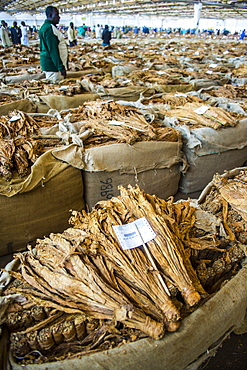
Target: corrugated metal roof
(220,9)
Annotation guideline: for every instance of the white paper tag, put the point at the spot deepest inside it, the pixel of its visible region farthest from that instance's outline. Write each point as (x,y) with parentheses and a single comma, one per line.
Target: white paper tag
(115,123)
(209,72)
(129,234)
(14,118)
(213,65)
(202,109)
(181,94)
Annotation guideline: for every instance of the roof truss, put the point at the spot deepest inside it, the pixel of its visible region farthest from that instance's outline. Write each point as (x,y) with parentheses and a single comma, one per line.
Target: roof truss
(220,9)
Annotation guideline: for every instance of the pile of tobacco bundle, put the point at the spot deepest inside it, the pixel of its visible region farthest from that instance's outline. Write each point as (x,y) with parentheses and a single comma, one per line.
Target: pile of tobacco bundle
(21,57)
(68,87)
(105,122)
(108,82)
(154,77)
(80,292)
(241,71)
(40,334)
(200,115)
(7,98)
(230,91)
(226,198)
(20,142)
(205,72)
(171,100)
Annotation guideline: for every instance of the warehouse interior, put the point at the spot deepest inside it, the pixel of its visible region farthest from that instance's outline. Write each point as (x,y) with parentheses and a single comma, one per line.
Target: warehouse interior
(123,186)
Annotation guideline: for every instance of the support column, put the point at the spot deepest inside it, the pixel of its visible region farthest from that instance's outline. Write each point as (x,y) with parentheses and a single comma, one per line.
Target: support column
(197,15)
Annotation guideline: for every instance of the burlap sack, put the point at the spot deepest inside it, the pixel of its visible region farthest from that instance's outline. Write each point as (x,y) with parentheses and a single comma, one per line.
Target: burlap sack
(60,102)
(24,105)
(43,170)
(131,93)
(154,166)
(182,88)
(40,211)
(209,151)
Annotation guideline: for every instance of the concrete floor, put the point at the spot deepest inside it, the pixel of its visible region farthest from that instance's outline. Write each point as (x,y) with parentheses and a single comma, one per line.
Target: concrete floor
(232,355)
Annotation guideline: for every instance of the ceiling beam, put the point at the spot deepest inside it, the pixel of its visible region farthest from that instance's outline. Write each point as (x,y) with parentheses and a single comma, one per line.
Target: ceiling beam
(169,8)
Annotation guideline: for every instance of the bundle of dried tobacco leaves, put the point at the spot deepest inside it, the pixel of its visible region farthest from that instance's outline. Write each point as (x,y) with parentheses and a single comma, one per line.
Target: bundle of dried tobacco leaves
(89,294)
(230,91)
(199,115)
(7,98)
(19,144)
(106,122)
(68,87)
(171,100)
(226,197)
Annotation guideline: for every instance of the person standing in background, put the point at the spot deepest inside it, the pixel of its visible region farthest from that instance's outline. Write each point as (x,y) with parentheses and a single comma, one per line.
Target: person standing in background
(106,36)
(118,33)
(72,35)
(98,32)
(24,32)
(53,47)
(93,30)
(242,35)
(4,35)
(15,34)
(136,30)
(82,30)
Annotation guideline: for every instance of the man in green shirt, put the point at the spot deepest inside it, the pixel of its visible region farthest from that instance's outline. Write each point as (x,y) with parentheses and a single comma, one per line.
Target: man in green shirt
(53,47)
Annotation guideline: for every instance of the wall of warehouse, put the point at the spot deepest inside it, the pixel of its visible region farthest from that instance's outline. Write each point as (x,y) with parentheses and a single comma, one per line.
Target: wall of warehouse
(114,20)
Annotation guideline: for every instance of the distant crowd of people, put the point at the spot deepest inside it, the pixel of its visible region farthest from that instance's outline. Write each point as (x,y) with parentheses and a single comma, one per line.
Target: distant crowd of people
(20,34)
(16,34)
(54,45)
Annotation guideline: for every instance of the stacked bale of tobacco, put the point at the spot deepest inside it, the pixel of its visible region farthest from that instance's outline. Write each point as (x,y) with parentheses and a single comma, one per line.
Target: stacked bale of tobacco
(105,122)
(21,142)
(233,97)
(208,131)
(40,334)
(106,81)
(197,115)
(164,102)
(150,77)
(89,294)
(5,98)
(240,72)
(229,91)
(28,88)
(225,198)
(20,55)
